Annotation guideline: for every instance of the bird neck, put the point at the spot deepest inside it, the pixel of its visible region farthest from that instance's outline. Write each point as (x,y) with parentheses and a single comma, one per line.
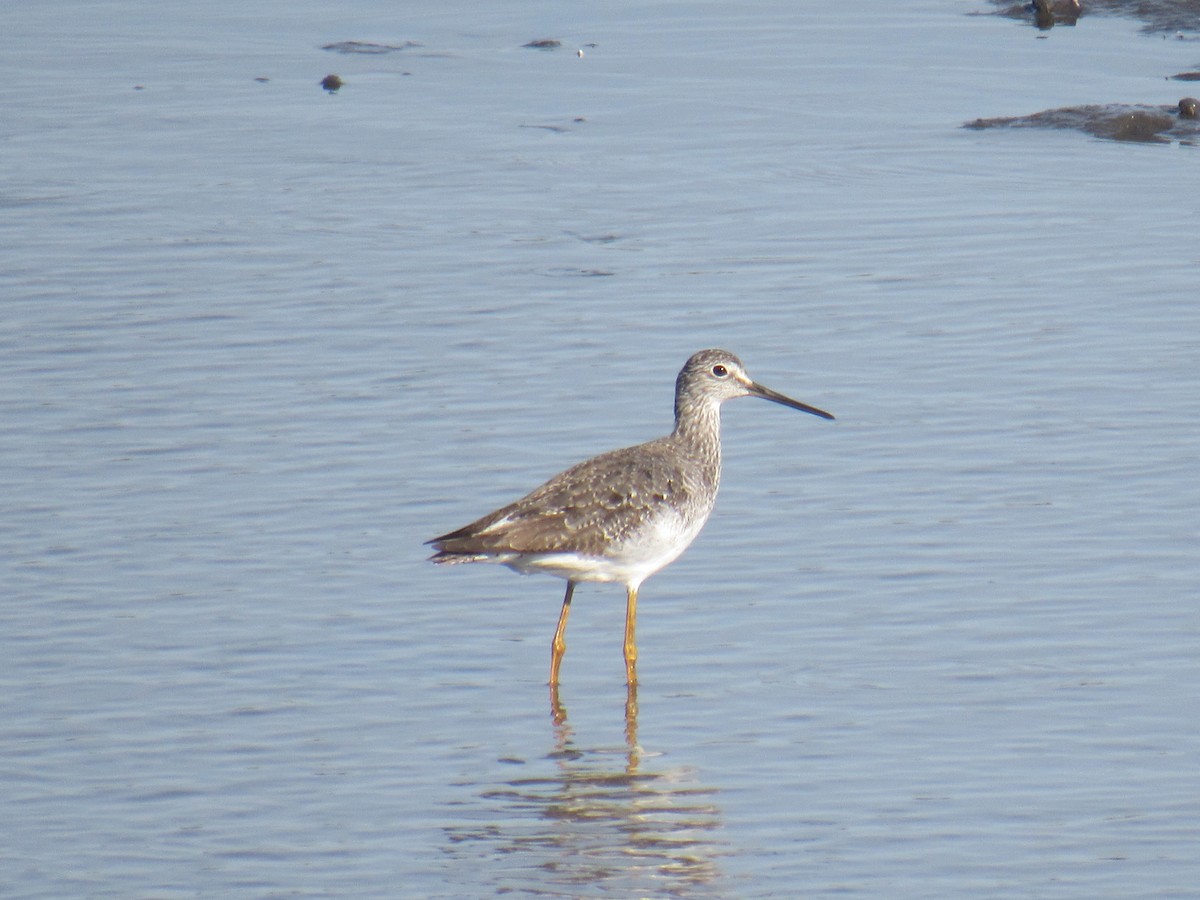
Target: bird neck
(698,431)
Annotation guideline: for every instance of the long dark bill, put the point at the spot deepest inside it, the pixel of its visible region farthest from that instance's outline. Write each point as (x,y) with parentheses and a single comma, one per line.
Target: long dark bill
(774,396)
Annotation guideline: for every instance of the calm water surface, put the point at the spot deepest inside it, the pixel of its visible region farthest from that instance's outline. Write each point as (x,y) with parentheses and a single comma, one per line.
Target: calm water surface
(258,342)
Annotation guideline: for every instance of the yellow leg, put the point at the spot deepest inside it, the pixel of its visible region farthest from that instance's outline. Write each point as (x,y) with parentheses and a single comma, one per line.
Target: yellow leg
(631,726)
(558,712)
(559,645)
(631,636)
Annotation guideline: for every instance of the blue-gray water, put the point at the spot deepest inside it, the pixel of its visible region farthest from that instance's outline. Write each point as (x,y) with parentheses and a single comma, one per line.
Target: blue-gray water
(258,342)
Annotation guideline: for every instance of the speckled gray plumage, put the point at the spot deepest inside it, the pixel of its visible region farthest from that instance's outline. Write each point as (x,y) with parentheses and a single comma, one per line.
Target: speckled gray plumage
(604,501)
(595,504)
(630,511)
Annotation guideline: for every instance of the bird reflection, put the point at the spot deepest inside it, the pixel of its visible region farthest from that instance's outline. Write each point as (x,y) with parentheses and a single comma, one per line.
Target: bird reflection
(563,733)
(598,823)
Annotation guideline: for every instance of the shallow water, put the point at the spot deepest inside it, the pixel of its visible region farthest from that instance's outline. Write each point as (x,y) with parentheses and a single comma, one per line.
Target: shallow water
(259,342)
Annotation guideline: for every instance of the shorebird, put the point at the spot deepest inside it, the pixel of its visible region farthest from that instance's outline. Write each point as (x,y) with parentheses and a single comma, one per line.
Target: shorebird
(623,515)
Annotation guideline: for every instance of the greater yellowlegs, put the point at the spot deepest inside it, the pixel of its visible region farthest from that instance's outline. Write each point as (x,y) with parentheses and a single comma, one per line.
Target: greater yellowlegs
(623,515)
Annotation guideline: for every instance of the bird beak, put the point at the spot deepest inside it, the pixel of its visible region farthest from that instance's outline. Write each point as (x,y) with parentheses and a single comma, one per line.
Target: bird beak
(757,390)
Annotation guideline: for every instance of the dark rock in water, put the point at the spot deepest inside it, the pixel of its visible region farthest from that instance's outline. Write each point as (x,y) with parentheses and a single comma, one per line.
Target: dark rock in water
(543,44)
(1155,15)
(1145,124)
(368,47)
(332,83)
(1135,126)
(1045,13)
(1048,13)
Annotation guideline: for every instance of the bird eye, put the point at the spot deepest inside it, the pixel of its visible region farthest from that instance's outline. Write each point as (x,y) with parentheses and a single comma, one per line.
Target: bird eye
(720,371)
